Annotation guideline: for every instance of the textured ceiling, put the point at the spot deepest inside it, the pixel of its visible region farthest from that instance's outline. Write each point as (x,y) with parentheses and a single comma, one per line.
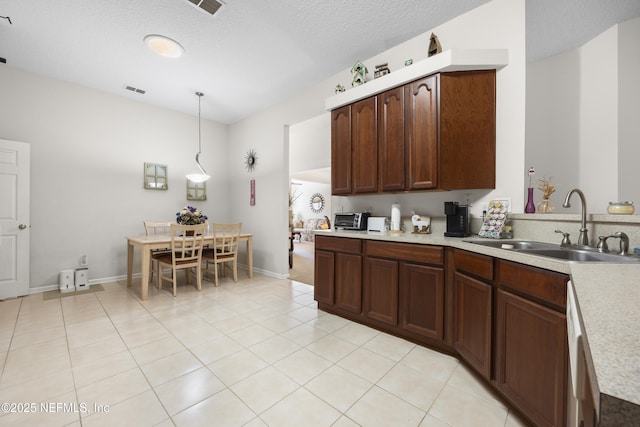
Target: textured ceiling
(251,53)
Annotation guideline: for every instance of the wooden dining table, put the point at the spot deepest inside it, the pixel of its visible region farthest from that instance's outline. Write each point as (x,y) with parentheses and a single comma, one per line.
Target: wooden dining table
(150,243)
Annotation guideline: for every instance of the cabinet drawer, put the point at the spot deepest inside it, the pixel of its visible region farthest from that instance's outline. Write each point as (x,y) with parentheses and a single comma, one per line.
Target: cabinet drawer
(407,252)
(475,264)
(544,285)
(339,244)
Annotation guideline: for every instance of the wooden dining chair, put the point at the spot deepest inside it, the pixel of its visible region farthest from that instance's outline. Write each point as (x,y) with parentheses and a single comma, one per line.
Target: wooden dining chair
(152,228)
(187,242)
(224,250)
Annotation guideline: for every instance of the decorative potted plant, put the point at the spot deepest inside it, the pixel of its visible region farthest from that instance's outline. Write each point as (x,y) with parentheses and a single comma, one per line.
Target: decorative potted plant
(190,216)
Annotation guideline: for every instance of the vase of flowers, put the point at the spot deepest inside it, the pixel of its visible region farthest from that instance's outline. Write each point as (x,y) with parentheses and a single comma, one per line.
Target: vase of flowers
(547,189)
(190,216)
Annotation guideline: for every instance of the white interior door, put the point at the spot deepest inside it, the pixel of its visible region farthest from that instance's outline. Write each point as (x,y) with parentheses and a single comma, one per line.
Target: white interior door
(14,218)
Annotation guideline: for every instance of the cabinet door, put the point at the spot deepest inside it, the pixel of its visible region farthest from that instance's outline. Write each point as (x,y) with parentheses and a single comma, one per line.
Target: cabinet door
(391,147)
(531,357)
(422,299)
(364,142)
(467,121)
(348,282)
(380,289)
(323,277)
(472,318)
(341,150)
(421,113)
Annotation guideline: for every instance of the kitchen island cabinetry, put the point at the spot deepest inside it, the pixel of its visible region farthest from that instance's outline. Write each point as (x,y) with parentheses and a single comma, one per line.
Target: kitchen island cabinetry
(403,289)
(338,273)
(531,341)
(472,307)
(430,134)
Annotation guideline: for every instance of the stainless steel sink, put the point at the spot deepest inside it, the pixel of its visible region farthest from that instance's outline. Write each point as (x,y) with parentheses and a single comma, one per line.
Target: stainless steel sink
(514,244)
(550,250)
(575,254)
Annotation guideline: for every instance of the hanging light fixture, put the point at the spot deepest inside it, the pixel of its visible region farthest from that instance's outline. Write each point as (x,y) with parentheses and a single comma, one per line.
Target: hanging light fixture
(203,175)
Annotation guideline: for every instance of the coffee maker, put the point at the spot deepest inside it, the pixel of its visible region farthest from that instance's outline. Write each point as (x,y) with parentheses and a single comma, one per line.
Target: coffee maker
(457,219)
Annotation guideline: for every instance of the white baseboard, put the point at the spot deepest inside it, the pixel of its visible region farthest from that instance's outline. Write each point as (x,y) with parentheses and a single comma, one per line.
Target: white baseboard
(112,279)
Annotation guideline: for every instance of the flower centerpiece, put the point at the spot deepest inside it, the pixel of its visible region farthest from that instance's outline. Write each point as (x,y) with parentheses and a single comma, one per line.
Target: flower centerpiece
(190,216)
(547,189)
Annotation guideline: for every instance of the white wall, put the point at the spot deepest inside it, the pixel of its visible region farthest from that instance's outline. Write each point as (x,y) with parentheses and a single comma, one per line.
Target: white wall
(553,123)
(498,24)
(582,118)
(598,154)
(310,144)
(87,154)
(629,111)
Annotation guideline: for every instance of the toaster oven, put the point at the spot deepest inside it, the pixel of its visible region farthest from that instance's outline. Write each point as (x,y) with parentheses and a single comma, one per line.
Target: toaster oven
(351,220)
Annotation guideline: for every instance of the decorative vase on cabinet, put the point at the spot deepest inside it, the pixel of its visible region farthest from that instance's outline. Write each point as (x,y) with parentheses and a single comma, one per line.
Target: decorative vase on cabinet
(530,207)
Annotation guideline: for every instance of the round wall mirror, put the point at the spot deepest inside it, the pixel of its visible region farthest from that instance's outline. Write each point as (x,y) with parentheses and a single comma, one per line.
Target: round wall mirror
(317,203)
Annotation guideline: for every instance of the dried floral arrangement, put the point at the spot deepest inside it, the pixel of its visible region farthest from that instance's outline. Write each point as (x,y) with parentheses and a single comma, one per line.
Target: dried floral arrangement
(546,187)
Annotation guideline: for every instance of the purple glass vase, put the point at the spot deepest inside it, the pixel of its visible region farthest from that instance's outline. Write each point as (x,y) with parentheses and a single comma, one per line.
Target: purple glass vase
(530,207)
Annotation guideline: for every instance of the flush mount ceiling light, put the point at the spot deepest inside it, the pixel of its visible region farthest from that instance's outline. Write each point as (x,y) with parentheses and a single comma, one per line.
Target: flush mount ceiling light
(163,46)
(203,175)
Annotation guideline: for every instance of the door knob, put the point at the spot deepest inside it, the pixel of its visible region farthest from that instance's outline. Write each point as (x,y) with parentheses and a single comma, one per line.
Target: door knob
(22,226)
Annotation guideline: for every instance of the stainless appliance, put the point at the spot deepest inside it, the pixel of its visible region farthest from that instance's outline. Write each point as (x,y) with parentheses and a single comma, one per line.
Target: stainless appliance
(351,220)
(577,363)
(377,223)
(457,219)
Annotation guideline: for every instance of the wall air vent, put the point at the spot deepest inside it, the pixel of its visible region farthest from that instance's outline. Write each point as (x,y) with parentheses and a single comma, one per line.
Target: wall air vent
(210,6)
(134,89)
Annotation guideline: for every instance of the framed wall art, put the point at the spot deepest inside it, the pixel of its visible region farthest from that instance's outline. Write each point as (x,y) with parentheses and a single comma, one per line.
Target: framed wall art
(196,190)
(155,177)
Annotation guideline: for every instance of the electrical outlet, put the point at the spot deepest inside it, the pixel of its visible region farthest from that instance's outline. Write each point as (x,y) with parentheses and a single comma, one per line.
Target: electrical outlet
(84,260)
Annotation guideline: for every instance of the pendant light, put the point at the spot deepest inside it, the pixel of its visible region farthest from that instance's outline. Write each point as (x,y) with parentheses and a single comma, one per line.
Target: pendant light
(203,175)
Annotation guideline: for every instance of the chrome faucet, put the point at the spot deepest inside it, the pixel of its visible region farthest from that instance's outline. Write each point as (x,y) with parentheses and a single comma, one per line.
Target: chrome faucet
(624,243)
(583,238)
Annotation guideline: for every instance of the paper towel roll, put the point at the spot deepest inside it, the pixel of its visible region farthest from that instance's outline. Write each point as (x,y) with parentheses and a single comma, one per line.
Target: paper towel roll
(395,217)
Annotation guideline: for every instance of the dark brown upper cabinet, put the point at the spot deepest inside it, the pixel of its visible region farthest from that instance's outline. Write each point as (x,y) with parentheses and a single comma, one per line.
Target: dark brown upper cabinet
(435,133)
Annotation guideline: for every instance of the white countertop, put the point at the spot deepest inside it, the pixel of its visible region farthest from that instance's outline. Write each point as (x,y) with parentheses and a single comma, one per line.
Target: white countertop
(608,299)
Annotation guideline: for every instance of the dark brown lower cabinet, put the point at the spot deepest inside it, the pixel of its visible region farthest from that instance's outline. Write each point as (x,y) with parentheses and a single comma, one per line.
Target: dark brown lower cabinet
(531,352)
(338,273)
(403,287)
(472,322)
(381,290)
(472,309)
(324,273)
(504,318)
(422,300)
(348,282)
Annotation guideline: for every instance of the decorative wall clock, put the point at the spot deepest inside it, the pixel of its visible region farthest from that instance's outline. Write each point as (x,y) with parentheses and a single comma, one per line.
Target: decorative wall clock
(317,203)
(250,160)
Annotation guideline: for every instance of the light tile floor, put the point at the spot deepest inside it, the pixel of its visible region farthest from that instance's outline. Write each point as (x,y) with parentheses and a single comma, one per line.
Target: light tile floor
(252,353)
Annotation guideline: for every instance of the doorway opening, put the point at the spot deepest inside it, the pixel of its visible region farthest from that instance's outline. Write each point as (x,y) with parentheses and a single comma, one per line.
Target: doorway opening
(309,192)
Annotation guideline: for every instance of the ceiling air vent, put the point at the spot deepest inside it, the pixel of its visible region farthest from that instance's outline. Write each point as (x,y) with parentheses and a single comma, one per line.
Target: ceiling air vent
(210,6)
(134,89)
